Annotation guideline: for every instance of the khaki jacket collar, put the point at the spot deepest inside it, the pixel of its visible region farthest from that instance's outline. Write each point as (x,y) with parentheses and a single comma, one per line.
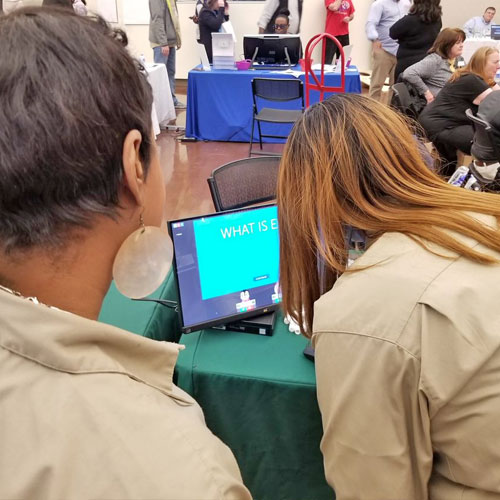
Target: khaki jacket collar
(63,341)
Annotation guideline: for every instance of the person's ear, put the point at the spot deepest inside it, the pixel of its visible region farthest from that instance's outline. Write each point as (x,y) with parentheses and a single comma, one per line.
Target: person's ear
(133,171)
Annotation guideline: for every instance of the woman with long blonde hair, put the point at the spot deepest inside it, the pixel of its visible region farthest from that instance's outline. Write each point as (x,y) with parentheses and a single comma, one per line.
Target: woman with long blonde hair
(444,119)
(407,339)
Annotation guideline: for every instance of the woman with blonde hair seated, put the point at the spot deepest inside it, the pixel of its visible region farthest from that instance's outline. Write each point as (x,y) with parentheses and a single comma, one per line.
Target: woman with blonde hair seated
(407,338)
(444,119)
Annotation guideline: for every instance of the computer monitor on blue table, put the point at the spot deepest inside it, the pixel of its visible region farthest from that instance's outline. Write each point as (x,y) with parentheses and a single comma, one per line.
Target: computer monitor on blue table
(226,265)
(272,49)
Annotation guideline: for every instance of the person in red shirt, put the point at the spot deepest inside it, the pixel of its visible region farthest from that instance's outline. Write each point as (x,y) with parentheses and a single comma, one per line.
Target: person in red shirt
(339,13)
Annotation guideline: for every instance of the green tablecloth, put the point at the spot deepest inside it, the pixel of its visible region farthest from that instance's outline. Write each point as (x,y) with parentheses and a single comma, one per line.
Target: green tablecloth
(148,319)
(259,396)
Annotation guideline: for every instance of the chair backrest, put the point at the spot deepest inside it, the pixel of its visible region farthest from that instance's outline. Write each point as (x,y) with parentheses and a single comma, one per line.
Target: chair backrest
(278,89)
(485,146)
(244,182)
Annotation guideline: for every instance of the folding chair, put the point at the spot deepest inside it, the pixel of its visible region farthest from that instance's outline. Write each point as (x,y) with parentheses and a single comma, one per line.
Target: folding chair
(484,135)
(274,90)
(244,182)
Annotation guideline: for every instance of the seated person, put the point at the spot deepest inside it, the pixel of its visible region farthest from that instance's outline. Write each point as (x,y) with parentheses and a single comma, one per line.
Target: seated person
(282,22)
(407,345)
(87,410)
(271,10)
(480,25)
(444,119)
(429,75)
(210,20)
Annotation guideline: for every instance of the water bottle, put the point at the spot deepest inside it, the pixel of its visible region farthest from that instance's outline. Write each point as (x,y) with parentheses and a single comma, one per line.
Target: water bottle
(142,60)
(458,176)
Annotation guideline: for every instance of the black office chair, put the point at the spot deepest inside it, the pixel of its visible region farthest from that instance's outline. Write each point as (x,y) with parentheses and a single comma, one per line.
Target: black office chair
(244,182)
(274,90)
(485,136)
(406,100)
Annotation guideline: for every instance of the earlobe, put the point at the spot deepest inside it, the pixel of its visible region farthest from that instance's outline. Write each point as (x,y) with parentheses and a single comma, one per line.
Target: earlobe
(133,171)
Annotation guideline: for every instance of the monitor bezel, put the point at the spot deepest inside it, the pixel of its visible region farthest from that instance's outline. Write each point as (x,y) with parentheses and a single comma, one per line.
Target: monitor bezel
(223,319)
(273,36)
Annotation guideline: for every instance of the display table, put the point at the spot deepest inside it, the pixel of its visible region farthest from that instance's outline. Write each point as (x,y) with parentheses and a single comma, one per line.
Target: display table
(259,396)
(472,44)
(163,103)
(219,102)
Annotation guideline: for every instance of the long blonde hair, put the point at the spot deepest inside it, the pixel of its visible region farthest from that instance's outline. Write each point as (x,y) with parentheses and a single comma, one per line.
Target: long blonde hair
(476,65)
(352,161)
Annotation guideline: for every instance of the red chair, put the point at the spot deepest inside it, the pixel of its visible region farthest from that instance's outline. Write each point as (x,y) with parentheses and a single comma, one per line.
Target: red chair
(319,84)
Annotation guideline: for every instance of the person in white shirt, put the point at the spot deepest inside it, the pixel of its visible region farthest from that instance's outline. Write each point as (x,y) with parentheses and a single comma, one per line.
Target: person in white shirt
(272,9)
(480,25)
(383,14)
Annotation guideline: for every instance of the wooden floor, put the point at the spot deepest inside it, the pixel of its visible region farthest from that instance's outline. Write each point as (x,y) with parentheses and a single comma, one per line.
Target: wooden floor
(186,167)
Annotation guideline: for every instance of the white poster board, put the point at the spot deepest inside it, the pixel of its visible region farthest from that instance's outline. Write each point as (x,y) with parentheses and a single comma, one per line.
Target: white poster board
(135,11)
(108,10)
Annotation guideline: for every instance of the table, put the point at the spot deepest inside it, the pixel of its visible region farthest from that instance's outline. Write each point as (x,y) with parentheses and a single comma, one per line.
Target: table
(472,44)
(219,102)
(163,103)
(259,396)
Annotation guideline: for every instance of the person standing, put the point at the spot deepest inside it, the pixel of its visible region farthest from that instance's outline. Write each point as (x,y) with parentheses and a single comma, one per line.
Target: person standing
(165,38)
(480,25)
(416,32)
(213,14)
(339,13)
(272,8)
(383,14)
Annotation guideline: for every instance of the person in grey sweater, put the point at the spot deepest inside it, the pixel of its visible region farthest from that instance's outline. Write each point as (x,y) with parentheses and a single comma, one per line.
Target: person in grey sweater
(429,75)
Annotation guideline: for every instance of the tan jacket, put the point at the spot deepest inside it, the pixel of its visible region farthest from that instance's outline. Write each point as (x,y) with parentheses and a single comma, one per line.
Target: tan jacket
(89,411)
(408,373)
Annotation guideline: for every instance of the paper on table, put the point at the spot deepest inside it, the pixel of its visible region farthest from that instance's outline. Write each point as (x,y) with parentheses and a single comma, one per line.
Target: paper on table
(227,27)
(292,72)
(202,52)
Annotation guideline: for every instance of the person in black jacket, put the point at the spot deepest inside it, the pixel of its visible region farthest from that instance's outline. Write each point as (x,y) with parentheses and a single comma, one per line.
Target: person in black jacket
(212,15)
(416,33)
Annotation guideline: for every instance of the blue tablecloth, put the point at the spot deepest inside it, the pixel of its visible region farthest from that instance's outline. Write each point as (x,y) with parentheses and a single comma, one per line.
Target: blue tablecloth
(219,102)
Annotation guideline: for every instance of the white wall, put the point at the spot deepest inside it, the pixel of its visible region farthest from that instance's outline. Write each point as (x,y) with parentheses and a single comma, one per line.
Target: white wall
(244,17)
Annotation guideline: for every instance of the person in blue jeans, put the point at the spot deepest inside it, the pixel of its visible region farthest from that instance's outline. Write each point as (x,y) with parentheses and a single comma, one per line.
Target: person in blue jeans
(165,38)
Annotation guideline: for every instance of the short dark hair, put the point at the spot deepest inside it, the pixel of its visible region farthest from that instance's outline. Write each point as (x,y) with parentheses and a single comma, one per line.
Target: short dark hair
(69,94)
(490,8)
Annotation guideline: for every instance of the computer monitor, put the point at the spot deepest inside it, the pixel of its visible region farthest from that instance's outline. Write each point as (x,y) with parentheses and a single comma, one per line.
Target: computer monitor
(272,49)
(495,32)
(226,265)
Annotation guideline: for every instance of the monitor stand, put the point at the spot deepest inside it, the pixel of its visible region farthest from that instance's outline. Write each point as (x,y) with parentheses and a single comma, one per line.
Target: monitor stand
(260,325)
(274,67)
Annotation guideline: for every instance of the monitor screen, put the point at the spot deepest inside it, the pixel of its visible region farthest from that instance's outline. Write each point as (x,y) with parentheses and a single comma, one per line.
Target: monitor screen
(495,31)
(226,265)
(270,49)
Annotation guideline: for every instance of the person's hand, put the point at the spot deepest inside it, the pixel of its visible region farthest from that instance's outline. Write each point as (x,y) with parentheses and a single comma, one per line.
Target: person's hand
(428,96)
(347,19)
(165,51)
(376,45)
(337,4)
(226,9)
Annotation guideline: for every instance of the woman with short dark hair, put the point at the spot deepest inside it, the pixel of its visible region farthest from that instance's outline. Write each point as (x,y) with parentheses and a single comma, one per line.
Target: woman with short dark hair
(416,32)
(87,410)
